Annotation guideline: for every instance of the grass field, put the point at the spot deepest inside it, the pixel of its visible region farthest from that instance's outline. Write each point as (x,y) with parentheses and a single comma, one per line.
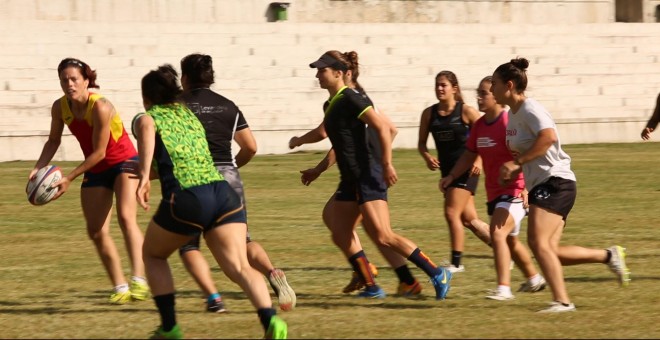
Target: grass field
(53,285)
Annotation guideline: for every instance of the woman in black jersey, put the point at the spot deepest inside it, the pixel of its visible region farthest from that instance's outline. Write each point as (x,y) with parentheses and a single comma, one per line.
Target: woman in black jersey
(449,122)
(408,285)
(365,175)
(223,122)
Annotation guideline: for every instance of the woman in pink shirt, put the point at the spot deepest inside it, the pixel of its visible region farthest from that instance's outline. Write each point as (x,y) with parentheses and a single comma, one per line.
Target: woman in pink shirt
(506,203)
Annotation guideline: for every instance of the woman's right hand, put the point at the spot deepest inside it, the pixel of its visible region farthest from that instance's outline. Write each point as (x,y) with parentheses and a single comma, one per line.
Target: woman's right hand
(33,173)
(142,192)
(646,133)
(445,182)
(294,142)
(308,176)
(30,177)
(508,171)
(432,163)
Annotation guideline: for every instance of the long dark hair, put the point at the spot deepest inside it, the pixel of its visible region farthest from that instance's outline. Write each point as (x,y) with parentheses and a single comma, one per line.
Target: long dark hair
(161,86)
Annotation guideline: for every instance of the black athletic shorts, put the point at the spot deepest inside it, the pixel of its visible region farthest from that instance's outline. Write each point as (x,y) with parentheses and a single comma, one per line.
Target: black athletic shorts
(369,187)
(196,210)
(467,182)
(555,194)
(233,177)
(106,178)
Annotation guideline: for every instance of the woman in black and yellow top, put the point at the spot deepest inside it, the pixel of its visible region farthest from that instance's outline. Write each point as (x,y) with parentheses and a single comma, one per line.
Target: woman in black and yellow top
(408,285)
(365,175)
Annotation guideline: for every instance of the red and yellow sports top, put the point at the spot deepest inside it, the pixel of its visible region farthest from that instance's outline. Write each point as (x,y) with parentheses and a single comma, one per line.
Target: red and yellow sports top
(119,149)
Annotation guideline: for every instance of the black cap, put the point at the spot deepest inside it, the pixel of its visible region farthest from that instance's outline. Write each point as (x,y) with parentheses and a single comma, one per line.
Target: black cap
(327,60)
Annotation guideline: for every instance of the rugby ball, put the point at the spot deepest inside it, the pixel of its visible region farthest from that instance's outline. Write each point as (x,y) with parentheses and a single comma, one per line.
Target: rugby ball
(39,190)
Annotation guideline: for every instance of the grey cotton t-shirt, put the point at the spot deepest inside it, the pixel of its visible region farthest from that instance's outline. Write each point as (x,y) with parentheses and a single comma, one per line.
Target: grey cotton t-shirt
(521,132)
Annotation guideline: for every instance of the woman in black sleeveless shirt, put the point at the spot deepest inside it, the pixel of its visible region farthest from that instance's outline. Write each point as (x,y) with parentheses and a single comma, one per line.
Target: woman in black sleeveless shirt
(449,122)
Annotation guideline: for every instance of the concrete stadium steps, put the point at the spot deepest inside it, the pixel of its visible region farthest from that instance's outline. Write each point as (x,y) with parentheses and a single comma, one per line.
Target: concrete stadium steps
(600,74)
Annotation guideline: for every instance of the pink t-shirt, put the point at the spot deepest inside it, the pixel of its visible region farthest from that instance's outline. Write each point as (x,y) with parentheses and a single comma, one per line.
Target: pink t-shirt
(489,141)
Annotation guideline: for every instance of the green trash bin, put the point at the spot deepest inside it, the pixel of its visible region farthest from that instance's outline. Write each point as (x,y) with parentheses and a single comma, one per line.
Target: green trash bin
(280,9)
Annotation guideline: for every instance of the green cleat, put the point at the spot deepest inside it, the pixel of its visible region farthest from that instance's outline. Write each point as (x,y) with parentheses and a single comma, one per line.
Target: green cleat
(139,290)
(174,333)
(277,329)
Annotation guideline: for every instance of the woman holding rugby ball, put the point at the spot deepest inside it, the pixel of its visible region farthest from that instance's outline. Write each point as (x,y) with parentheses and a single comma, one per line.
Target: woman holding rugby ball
(93,120)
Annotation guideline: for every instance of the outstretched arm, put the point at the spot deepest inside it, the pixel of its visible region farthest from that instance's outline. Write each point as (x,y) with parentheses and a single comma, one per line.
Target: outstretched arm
(54,139)
(312,136)
(653,122)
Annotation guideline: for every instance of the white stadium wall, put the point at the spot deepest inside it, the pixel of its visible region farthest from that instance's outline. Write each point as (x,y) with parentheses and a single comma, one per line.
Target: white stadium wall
(598,78)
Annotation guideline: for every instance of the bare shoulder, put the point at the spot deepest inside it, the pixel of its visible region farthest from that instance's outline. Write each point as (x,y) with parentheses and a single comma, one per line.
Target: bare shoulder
(469,109)
(103,105)
(56,108)
(470,114)
(104,102)
(427,111)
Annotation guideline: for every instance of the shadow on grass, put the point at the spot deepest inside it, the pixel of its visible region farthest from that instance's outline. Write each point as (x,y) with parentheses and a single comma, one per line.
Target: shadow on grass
(633,279)
(65,310)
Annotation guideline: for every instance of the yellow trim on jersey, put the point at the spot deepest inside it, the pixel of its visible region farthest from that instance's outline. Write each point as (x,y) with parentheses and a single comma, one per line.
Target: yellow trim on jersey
(363,111)
(334,99)
(116,125)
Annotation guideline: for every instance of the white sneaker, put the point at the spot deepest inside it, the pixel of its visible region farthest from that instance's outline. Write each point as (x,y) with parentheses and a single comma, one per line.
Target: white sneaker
(528,287)
(286,297)
(618,266)
(500,296)
(558,307)
(453,269)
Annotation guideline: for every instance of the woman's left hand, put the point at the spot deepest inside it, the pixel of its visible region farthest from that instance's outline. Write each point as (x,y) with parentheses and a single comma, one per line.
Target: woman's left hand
(62,186)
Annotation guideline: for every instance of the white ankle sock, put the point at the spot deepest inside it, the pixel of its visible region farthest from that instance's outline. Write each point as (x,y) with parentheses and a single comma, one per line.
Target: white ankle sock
(506,290)
(138,279)
(535,279)
(121,288)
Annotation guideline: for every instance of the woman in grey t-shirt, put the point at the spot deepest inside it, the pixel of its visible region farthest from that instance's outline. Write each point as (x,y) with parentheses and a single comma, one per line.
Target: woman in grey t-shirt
(532,137)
